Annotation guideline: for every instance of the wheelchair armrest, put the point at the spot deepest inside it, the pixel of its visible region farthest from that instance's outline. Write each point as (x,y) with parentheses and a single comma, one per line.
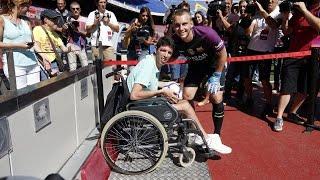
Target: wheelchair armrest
(159,107)
(149,101)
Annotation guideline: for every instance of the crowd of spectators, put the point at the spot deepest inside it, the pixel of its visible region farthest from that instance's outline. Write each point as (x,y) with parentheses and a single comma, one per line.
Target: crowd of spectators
(247,28)
(54,46)
(258,28)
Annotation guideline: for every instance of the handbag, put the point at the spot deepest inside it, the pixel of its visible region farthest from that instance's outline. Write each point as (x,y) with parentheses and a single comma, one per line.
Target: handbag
(47,72)
(58,57)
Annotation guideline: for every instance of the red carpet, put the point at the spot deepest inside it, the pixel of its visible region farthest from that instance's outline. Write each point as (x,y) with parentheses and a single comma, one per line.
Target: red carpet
(259,152)
(95,167)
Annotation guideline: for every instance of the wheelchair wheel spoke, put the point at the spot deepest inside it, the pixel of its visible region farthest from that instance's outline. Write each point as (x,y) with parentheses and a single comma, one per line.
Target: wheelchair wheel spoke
(144,135)
(117,134)
(154,137)
(149,154)
(126,126)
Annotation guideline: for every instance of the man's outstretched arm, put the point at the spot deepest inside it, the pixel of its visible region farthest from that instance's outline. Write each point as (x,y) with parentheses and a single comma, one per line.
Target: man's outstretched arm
(139,93)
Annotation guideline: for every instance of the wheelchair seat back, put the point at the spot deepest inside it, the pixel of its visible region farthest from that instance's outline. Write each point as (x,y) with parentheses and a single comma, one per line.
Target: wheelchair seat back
(158,107)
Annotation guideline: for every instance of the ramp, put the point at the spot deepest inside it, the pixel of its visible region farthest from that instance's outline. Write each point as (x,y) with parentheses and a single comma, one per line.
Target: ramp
(169,170)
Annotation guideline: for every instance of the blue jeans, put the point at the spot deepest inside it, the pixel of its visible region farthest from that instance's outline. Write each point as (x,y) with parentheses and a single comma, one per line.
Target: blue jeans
(178,71)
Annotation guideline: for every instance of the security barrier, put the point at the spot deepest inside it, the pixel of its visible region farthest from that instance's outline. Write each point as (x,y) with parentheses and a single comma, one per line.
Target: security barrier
(312,74)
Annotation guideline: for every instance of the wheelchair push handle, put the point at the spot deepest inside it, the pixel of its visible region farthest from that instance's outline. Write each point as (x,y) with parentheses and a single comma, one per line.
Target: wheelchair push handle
(114,72)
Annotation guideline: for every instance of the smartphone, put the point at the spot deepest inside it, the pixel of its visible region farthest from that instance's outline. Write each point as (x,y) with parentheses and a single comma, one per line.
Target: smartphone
(30,44)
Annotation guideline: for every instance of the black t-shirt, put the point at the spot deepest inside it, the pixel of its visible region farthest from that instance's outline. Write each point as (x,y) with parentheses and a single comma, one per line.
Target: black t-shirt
(203,48)
(238,40)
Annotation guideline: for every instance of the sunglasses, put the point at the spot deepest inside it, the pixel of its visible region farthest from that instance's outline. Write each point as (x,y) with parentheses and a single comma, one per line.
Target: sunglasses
(78,9)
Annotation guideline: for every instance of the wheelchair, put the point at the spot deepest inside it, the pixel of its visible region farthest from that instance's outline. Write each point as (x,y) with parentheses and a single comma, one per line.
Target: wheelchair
(137,140)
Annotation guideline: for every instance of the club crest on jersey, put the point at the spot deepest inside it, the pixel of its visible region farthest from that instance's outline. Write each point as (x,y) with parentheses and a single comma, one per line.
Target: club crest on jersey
(200,49)
(191,51)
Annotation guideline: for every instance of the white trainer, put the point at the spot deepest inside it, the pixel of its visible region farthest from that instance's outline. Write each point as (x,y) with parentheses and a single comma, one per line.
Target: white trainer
(214,143)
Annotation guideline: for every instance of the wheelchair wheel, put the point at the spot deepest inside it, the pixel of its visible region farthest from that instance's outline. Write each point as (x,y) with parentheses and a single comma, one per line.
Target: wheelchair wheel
(134,142)
(188,157)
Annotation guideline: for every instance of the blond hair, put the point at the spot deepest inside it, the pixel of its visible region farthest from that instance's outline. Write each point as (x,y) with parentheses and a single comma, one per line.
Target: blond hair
(13,3)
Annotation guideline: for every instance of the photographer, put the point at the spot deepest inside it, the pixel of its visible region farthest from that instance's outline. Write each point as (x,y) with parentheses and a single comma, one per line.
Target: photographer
(76,37)
(304,26)
(101,24)
(61,27)
(263,30)
(239,39)
(168,19)
(139,35)
(220,18)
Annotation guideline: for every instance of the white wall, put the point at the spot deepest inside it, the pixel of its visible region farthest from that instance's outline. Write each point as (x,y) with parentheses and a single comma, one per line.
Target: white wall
(41,153)
(4,166)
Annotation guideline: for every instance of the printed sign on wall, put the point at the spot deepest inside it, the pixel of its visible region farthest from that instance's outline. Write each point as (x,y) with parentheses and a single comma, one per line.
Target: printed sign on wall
(41,112)
(84,88)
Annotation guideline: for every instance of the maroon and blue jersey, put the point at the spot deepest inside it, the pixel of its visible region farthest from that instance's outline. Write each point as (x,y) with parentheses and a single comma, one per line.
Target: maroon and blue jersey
(203,48)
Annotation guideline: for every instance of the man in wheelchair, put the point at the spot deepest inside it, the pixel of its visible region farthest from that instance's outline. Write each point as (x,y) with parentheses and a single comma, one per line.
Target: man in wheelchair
(143,83)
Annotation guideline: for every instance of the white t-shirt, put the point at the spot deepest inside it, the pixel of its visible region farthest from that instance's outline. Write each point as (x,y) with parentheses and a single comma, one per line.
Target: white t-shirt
(105,31)
(263,38)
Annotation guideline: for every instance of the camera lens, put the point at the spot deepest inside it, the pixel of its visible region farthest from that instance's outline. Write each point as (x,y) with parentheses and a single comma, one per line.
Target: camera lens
(286,6)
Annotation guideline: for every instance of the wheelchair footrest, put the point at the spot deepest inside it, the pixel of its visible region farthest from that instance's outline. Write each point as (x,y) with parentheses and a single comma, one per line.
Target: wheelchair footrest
(210,154)
(206,153)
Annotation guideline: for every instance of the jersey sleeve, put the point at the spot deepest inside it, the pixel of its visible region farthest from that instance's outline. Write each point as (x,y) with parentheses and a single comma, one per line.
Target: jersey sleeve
(214,40)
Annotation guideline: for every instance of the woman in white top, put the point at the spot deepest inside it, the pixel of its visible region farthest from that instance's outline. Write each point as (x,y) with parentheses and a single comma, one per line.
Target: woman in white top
(16,34)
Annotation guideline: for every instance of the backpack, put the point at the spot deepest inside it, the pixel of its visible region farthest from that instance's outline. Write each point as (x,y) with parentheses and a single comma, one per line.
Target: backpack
(116,102)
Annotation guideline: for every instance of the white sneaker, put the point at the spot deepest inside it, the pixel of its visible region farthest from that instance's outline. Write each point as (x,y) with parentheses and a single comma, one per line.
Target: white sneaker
(214,143)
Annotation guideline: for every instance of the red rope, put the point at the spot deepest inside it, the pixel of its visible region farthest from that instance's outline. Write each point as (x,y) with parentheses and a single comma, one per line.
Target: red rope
(230,59)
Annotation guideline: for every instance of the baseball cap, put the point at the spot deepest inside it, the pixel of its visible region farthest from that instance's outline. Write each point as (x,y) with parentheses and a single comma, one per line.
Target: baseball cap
(51,14)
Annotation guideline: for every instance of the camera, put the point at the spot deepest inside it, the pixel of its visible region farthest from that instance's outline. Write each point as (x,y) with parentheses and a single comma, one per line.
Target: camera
(72,24)
(143,33)
(214,6)
(168,19)
(97,14)
(107,15)
(245,22)
(287,5)
(173,8)
(30,44)
(251,9)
